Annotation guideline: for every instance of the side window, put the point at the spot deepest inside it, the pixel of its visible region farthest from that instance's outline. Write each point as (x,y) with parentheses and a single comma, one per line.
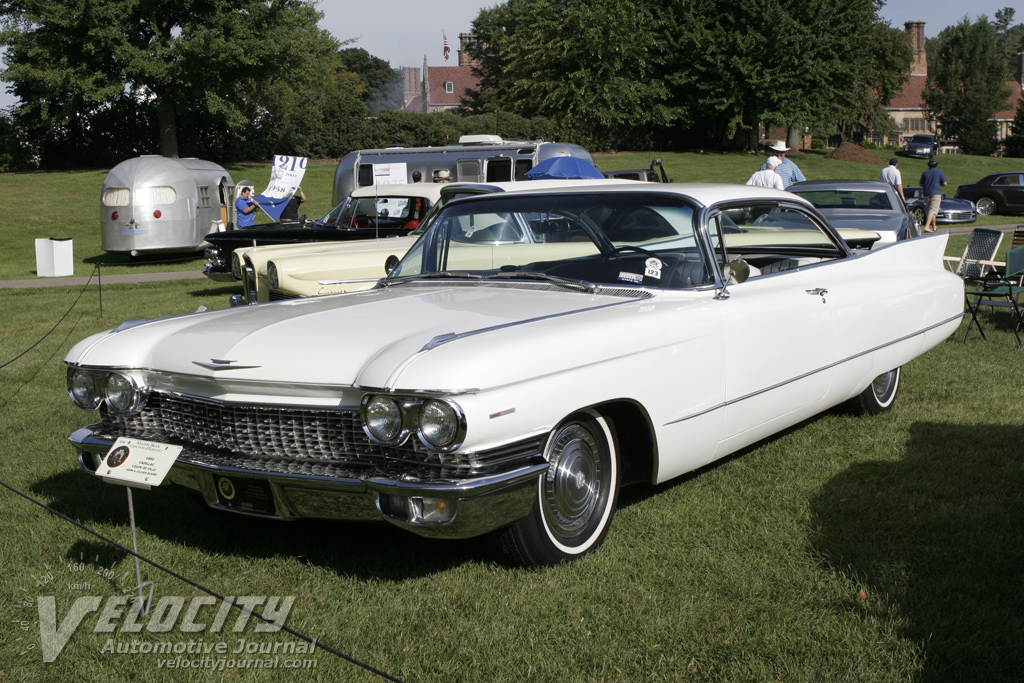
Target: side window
(522,166)
(770,239)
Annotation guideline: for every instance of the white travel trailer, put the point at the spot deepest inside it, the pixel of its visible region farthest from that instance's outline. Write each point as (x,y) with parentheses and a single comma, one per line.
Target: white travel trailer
(153,203)
(476,159)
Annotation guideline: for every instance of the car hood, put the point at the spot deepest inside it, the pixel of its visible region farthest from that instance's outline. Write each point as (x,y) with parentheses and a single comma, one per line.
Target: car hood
(380,338)
(864,220)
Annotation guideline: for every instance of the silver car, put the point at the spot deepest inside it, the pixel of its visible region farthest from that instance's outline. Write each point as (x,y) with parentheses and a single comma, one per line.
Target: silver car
(865,204)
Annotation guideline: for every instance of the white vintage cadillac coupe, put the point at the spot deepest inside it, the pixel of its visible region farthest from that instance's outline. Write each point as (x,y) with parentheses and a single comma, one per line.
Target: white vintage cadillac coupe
(529,355)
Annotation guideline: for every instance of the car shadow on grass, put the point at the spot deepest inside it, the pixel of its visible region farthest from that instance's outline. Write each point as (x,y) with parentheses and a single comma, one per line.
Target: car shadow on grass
(936,540)
(367,550)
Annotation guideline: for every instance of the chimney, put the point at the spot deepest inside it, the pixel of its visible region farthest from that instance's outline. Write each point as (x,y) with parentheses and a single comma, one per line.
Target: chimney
(915,29)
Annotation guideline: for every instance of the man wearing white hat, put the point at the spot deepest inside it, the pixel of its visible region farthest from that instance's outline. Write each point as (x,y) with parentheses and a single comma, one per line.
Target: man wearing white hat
(787,170)
(768,177)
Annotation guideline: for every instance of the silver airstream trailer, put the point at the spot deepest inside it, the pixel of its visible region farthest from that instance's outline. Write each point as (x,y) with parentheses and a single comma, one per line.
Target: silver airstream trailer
(154,203)
(476,159)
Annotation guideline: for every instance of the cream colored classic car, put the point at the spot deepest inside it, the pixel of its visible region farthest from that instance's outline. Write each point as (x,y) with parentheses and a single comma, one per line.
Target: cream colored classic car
(531,353)
(300,270)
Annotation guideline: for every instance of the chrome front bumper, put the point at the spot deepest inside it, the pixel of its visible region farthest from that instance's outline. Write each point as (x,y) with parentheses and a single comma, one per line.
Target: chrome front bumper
(457,508)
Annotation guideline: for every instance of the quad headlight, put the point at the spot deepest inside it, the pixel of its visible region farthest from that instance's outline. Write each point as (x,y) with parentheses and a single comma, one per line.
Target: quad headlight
(439,424)
(89,388)
(83,390)
(382,419)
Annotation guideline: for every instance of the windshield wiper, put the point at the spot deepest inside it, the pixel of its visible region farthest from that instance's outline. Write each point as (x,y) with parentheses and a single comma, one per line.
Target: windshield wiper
(438,275)
(535,275)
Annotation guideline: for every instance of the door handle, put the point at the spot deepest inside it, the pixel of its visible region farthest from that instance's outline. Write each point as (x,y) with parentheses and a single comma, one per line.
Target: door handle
(818,291)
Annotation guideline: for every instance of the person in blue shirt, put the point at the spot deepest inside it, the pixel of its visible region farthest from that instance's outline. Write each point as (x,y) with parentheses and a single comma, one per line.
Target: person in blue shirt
(932,181)
(245,207)
(787,170)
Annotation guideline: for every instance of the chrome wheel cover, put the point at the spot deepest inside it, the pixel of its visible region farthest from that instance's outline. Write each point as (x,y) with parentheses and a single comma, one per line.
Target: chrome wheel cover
(986,206)
(884,386)
(574,490)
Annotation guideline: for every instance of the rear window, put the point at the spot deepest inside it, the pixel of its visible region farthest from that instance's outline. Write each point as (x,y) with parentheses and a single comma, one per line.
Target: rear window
(116,196)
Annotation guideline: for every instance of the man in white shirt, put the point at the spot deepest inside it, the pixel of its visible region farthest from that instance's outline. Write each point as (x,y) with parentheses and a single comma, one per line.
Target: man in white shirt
(890,174)
(769,177)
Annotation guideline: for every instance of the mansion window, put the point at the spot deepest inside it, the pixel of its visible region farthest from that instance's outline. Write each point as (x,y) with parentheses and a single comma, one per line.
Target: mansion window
(449,86)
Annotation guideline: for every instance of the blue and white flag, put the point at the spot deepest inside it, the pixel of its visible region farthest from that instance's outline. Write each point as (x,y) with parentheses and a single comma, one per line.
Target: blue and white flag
(285,177)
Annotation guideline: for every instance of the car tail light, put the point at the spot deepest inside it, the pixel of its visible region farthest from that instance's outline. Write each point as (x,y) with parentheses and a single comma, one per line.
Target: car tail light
(113,216)
(157,214)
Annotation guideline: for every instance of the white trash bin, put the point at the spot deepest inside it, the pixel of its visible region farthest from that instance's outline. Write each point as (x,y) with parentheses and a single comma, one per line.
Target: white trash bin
(55,257)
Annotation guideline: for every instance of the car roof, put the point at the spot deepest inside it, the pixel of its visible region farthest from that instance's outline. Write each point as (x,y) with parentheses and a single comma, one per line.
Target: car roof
(843,184)
(703,193)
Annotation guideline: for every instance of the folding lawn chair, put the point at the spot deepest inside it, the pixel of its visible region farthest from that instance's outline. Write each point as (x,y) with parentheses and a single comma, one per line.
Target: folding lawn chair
(982,247)
(998,290)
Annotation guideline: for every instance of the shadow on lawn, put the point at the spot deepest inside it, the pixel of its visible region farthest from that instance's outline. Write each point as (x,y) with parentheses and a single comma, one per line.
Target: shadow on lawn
(371,550)
(937,541)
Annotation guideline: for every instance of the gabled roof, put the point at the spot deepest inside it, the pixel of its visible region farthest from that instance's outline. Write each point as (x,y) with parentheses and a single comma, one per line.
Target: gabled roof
(910,97)
(1015,98)
(462,79)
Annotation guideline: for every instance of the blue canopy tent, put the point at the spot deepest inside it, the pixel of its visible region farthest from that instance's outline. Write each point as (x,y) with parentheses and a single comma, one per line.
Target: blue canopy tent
(563,168)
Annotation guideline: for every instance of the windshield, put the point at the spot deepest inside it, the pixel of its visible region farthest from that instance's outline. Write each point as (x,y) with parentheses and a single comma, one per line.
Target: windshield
(600,239)
(925,139)
(848,199)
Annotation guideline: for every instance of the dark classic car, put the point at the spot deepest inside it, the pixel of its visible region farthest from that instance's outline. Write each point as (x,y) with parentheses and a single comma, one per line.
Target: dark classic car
(951,210)
(374,211)
(921,146)
(996,193)
(865,204)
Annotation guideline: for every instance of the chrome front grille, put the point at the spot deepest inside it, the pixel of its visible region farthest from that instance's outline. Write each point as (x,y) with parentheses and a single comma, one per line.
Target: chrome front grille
(293,439)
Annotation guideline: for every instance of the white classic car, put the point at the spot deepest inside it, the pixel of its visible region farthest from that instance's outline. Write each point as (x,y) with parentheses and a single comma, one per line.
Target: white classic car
(529,355)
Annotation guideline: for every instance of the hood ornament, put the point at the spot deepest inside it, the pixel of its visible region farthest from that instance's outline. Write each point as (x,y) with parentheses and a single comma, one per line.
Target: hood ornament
(219,364)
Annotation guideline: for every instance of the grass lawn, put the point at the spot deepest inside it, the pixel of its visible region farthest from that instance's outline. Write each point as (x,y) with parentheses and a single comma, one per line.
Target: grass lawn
(845,549)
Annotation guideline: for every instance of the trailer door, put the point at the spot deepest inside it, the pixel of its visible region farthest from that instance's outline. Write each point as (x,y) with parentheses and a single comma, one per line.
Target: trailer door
(499,170)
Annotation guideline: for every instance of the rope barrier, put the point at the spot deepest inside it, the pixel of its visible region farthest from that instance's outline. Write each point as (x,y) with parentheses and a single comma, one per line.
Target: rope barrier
(242,608)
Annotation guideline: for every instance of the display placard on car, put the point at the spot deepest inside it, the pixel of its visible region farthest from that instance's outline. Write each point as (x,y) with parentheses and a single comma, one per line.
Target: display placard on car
(137,463)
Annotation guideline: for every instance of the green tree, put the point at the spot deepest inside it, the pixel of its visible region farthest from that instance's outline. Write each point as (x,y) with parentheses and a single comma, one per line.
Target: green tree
(382,84)
(966,85)
(687,73)
(65,57)
(596,69)
(1009,38)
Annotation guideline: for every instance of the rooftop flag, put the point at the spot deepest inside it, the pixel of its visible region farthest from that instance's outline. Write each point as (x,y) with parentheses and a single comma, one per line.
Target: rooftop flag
(447,50)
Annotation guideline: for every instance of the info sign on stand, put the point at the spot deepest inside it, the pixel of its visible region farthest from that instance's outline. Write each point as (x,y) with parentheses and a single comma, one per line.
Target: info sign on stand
(134,463)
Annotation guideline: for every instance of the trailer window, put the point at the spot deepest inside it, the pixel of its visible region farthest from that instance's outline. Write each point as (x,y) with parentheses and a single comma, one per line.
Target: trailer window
(161,194)
(204,196)
(522,166)
(116,196)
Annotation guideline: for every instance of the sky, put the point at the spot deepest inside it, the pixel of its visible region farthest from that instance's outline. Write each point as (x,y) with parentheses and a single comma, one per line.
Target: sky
(401,32)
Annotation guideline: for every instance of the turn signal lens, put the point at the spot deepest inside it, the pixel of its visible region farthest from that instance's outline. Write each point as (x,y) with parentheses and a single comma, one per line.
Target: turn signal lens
(113,216)
(157,214)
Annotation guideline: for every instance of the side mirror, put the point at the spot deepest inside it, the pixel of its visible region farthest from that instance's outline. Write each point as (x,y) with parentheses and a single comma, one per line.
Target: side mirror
(391,263)
(736,271)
